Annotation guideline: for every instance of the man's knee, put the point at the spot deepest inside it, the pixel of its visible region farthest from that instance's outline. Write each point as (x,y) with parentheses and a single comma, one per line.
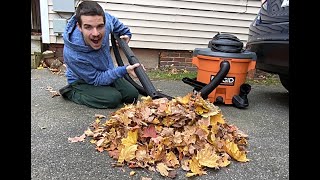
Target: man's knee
(114,101)
(131,96)
(107,102)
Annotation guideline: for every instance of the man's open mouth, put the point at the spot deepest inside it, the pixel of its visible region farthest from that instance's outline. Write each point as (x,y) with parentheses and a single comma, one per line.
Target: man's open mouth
(95,41)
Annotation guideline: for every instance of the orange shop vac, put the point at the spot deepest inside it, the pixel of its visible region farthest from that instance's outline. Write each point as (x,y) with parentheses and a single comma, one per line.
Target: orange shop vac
(222,70)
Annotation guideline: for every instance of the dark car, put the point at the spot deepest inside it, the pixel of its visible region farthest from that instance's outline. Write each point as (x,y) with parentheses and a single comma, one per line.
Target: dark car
(269,39)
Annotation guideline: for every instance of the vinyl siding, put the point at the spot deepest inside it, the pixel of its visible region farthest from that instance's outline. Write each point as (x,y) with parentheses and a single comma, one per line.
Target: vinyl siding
(175,24)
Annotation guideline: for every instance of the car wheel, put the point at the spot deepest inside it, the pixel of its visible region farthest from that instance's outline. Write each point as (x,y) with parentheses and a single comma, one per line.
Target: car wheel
(284,81)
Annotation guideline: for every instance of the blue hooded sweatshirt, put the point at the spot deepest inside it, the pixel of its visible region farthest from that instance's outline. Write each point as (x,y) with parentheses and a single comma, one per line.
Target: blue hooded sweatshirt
(85,63)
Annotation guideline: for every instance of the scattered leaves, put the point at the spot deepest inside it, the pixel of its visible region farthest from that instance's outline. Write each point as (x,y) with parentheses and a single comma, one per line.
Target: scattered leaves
(53,92)
(145,178)
(132,173)
(78,138)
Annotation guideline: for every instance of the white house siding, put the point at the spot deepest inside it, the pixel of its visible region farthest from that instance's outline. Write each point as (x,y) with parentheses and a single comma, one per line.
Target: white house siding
(175,24)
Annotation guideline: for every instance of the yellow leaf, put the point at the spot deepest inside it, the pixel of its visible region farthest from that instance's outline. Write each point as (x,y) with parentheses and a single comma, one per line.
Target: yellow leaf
(233,150)
(155,121)
(207,157)
(204,128)
(97,120)
(209,109)
(88,133)
(243,141)
(190,174)
(199,110)
(224,161)
(112,133)
(168,110)
(172,158)
(146,98)
(216,118)
(125,119)
(211,138)
(132,173)
(167,141)
(163,169)
(210,113)
(127,153)
(184,100)
(111,122)
(167,121)
(195,166)
(158,128)
(131,139)
(214,129)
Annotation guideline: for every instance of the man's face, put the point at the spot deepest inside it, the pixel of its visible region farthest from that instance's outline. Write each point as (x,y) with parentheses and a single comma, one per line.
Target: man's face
(93,30)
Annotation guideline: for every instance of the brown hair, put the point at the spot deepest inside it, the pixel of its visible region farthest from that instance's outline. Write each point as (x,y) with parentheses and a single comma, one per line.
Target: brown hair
(89,8)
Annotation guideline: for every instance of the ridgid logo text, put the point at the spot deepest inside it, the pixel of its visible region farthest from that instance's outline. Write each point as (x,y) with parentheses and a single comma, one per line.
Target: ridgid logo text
(227,81)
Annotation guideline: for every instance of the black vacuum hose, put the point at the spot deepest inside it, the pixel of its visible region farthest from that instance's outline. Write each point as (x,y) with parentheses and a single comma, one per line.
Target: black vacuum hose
(120,63)
(224,70)
(148,89)
(224,42)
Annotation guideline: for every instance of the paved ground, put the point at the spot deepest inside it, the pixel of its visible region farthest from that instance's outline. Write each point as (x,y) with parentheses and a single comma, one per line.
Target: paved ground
(54,120)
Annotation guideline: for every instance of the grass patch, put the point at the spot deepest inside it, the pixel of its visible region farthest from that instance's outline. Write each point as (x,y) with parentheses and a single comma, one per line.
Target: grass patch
(264,78)
(170,74)
(260,77)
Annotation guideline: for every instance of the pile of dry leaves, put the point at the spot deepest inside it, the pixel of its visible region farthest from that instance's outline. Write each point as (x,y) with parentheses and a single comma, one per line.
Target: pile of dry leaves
(162,135)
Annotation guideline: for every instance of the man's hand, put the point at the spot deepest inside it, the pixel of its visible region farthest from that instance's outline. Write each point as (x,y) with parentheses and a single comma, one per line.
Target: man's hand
(126,38)
(130,69)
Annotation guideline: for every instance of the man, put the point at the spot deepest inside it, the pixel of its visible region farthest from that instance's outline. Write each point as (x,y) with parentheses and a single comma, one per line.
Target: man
(92,78)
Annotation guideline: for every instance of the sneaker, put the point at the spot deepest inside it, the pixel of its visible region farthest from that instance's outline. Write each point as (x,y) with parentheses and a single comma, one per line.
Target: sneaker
(65,89)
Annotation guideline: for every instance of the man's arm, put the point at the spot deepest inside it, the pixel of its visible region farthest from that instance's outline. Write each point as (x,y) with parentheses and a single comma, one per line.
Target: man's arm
(120,28)
(91,75)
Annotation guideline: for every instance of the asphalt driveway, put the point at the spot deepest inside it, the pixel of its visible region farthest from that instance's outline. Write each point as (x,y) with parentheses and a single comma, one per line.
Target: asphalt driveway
(54,120)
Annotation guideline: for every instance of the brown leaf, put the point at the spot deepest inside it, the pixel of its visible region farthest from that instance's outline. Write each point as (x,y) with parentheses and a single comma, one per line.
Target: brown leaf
(146,178)
(77,138)
(185,164)
(88,132)
(100,149)
(172,160)
(141,154)
(54,93)
(172,174)
(114,154)
(100,116)
(149,132)
(167,131)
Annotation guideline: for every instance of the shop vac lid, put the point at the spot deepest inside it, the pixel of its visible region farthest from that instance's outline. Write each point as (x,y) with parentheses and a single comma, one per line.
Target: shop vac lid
(224,42)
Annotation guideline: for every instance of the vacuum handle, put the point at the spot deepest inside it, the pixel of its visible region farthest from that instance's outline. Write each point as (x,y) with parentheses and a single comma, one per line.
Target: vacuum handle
(141,74)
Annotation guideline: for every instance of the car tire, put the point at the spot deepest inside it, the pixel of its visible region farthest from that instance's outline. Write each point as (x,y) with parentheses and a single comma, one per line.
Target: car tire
(284,81)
